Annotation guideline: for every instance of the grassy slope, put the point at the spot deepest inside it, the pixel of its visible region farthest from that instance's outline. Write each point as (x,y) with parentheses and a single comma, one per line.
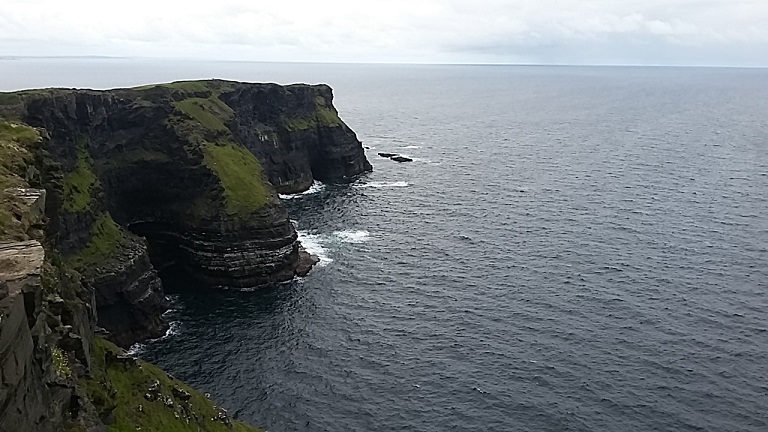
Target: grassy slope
(124,384)
(323,116)
(79,184)
(106,239)
(209,112)
(107,236)
(203,122)
(241,177)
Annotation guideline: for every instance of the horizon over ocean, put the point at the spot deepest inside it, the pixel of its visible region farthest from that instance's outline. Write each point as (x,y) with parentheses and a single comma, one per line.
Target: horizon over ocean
(573,248)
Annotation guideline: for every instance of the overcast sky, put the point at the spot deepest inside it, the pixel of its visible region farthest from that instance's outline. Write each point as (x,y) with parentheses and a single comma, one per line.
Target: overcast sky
(676,32)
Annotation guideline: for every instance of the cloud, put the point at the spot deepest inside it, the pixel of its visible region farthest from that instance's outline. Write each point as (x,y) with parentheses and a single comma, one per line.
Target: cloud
(496,31)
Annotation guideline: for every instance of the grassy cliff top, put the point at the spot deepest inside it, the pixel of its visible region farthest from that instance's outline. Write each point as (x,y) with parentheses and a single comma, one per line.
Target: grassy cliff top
(201,116)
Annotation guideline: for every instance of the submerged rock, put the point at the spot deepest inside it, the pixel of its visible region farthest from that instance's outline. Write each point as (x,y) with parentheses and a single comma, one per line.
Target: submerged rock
(395,157)
(306,262)
(401,159)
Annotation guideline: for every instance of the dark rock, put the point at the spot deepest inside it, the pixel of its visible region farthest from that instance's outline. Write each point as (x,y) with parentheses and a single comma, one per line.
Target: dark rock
(306,262)
(296,134)
(181,394)
(387,155)
(401,159)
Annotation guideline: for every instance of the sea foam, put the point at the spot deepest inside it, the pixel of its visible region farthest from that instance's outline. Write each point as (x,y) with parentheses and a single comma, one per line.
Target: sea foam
(313,243)
(349,236)
(315,188)
(383,185)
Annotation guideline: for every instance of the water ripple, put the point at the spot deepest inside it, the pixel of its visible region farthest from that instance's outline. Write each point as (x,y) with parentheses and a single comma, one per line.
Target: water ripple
(566,253)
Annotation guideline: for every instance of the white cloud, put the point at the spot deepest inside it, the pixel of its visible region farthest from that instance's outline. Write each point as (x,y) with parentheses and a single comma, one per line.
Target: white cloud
(397,30)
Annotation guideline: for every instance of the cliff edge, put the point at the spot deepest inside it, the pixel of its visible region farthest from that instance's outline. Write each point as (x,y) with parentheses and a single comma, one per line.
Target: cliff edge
(100,190)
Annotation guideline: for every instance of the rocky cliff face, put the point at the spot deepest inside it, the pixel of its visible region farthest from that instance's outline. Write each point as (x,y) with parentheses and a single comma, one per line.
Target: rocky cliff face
(193,167)
(296,133)
(135,180)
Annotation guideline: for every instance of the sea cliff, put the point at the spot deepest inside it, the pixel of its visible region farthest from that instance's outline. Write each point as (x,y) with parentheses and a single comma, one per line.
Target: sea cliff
(100,190)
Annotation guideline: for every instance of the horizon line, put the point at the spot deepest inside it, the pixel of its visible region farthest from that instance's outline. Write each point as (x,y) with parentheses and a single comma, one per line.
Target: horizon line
(394,63)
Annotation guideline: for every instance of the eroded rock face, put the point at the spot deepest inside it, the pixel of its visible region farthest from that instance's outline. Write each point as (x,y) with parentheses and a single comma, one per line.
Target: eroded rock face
(296,133)
(35,320)
(130,298)
(191,167)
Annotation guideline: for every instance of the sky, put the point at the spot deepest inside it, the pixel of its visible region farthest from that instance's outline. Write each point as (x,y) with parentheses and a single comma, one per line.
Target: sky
(634,32)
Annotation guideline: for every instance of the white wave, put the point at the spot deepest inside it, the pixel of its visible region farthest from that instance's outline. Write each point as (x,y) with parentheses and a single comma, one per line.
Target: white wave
(313,243)
(315,188)
(410,147)
(383,185)
(135,349)
(349,236)
(174,328)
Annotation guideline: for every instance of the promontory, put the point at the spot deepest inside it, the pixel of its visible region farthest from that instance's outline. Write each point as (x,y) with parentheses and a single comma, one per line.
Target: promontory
(101,190)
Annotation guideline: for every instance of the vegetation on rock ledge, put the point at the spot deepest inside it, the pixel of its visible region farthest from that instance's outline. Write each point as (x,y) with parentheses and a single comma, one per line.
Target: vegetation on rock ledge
(78,184)
(15,159)
(322,116)
(139,396)
(240,174)
(209,112)
(106,238)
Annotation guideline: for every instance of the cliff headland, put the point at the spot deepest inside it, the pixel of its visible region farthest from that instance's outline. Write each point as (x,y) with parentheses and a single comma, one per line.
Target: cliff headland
(102,189)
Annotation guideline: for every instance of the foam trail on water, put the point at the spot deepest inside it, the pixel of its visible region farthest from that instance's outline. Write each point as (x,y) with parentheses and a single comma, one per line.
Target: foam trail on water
(383,185)
(313,243)
(349,236)
(410,147)
(315,188)
(137,348)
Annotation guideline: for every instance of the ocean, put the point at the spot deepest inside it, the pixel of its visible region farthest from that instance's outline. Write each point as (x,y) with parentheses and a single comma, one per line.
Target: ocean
(571,249)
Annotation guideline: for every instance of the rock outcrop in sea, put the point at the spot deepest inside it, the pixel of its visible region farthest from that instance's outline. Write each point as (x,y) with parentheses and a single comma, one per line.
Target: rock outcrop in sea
(102,189)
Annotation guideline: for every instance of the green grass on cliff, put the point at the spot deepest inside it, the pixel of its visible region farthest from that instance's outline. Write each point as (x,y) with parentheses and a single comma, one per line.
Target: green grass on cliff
(199,86)
(241,176)
(299,123)
(322,116)
(15,158)
(121,386)
(187,86)
(209,112)
(326,115)
(78,184)
(9,99)
(15,139)
(106,239)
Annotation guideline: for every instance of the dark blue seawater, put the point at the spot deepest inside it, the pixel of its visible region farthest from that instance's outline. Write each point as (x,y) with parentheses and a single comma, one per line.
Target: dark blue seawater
(572,249)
